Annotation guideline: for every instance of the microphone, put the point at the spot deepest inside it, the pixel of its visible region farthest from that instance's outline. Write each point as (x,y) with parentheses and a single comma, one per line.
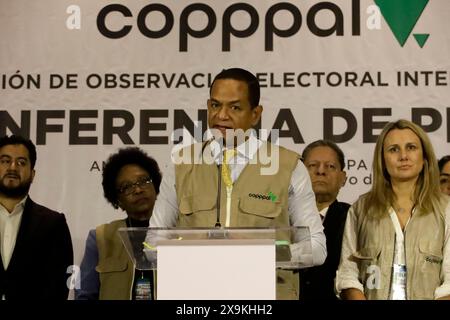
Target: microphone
(219,193)
(218,232)
(219,180)
(219,177)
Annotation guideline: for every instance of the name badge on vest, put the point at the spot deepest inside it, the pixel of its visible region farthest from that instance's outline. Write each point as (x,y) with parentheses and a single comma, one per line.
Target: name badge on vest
(143,289)
(399,282)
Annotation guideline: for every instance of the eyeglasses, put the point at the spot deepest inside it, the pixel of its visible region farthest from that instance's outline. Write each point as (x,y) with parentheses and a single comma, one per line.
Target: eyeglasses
(129,188)
(7,160)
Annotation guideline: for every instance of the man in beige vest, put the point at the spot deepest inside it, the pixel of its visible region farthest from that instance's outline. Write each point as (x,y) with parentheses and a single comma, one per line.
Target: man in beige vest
(248,197)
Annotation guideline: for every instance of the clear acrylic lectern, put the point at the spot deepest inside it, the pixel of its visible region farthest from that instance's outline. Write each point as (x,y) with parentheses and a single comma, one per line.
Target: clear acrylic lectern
(217,263)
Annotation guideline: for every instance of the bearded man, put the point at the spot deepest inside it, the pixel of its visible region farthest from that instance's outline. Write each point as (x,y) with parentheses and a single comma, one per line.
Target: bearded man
(35,243)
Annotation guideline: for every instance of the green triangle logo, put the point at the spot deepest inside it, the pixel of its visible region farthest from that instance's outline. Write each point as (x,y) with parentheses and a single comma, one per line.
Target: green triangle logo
(401,16)
(421,38)
(273,197)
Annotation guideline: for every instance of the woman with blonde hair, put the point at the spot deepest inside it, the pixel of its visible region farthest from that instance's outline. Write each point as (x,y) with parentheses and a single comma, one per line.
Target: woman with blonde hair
(396,238)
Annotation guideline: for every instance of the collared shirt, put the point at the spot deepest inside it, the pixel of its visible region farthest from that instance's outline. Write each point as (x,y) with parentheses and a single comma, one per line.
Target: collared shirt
(301,199)
(323,213)
(9,227)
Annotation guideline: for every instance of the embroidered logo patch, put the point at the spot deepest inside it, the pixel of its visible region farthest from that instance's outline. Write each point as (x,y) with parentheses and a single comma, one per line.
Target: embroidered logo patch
(272,197)
(433,259)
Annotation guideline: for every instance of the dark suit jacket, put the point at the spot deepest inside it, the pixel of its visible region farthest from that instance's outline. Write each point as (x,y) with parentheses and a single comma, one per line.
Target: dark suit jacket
(43,251)
(318,282)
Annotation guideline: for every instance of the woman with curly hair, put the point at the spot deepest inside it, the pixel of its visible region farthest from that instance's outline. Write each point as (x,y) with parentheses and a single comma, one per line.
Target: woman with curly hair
(131,182)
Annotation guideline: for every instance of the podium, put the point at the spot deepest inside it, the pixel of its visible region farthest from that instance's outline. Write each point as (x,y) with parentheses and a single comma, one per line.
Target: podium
(217,263)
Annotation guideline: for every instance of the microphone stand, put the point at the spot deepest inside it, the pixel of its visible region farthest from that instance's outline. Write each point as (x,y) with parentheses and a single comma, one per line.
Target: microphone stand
(218,233)
(218,225)
(219,194)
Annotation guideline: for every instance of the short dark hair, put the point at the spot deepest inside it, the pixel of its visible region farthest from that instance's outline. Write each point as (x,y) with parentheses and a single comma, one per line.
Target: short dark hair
(27,143)
(245,76)
(443,161)
(123,157)
(325,143)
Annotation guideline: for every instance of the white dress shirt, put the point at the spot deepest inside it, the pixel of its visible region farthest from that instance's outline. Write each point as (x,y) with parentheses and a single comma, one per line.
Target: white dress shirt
(323,213)
(9,227)
(301,199)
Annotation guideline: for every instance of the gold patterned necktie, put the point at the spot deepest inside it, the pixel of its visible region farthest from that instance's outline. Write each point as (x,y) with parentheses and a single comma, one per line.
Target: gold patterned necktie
(226,175)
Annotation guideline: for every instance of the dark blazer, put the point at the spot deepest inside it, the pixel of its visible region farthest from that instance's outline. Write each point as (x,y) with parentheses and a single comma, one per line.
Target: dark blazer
(43,251)
(318,282)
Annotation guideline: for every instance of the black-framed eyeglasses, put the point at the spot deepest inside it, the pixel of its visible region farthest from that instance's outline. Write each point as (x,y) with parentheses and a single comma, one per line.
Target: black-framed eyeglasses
(6,160)
(129,188)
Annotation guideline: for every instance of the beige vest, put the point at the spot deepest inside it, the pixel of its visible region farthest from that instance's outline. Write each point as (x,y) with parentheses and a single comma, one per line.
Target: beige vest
(424,241)
(251,202)
(116,270)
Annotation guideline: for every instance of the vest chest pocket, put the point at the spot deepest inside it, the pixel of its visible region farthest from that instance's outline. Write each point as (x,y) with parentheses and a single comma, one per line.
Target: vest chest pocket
(425,276)
(370,274)
(431,254)
(257,212)
(196,204)
(110,265)
(430,259)
(197,211)
(115,277)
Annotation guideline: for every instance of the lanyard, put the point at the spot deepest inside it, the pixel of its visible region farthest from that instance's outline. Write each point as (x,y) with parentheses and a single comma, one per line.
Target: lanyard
(399,272)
